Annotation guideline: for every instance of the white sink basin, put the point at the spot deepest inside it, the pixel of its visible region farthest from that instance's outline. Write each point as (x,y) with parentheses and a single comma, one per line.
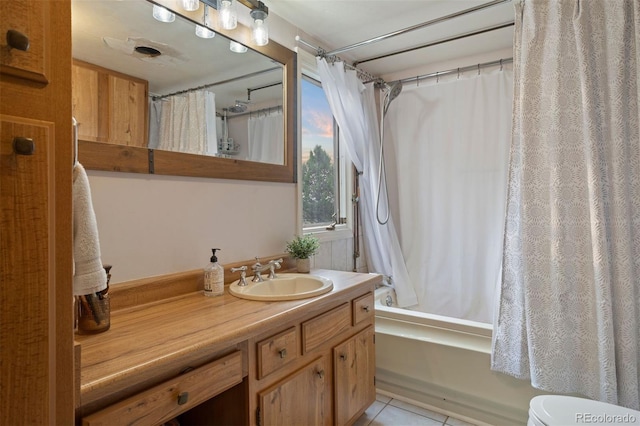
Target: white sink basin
(285,287)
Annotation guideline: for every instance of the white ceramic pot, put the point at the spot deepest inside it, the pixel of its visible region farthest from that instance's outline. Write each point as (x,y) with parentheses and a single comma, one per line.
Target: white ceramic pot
(303,265)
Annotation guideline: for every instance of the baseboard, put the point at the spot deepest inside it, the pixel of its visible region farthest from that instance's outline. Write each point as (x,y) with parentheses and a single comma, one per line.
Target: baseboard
(472,408)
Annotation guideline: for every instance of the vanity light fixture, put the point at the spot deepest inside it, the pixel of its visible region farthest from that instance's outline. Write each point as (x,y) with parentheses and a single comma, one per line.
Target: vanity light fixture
(204,32)
(163,15)
(260,30)
(190,5)
(227,15)
(201,30)
(236,47)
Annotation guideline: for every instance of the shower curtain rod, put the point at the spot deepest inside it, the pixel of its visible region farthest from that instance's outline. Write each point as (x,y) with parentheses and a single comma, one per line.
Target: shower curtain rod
(419,78)
(362,74)
(218,83)
(435,43)
(416,27)
(258,111)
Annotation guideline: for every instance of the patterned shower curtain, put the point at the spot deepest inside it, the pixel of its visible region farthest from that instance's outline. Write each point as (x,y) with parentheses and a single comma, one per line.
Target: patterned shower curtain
(569,309)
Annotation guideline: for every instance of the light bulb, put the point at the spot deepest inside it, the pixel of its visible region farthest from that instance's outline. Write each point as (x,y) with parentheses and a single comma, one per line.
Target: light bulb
(260,34)
(204,32)
(227,16)
(163,15)
(190,5)
(237,47)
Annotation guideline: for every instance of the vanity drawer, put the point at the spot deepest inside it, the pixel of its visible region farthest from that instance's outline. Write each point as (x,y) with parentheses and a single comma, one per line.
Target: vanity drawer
(363,308)
(277,351)
(173,397)
(318,330)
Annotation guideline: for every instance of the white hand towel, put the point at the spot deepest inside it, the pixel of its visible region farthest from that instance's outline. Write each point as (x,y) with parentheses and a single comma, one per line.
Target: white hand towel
(89,276)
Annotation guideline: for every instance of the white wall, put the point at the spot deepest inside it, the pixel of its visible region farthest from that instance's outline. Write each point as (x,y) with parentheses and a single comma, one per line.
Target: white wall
(151,225)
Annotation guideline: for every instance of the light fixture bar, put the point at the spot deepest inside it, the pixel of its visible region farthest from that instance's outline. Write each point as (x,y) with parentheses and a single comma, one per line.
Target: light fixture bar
(251,4)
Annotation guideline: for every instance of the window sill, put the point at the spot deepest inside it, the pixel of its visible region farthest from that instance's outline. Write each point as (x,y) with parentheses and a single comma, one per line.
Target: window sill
(340,233)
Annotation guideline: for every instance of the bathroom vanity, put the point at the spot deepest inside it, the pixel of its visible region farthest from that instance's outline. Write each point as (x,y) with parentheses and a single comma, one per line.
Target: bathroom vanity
(226,360)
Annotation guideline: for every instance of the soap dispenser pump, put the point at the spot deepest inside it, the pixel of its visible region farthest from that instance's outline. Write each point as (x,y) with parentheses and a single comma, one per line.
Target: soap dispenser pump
(213,277)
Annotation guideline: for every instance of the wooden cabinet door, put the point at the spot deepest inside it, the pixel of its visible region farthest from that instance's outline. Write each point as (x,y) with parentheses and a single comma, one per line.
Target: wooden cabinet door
(26,267)
(128,122)
(354,371)
(29,18)
(109,106)
(85,106)
(297,400)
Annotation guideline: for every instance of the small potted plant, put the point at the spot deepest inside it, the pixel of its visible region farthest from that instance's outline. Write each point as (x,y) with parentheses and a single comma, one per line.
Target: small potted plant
(302,248)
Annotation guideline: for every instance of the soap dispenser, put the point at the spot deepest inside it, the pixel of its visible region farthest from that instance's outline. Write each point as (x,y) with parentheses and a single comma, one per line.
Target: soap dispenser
(213,277)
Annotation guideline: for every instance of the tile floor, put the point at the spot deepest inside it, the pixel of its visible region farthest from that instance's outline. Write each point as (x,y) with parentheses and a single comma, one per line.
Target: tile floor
(387,411)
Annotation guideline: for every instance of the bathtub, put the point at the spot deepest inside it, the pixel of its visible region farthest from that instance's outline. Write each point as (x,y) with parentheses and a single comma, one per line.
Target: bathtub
(443,364)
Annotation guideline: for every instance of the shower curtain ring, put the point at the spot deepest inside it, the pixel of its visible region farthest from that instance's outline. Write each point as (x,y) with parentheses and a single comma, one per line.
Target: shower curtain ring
(478,69)
(417,80)
(458,73)
(500,64)
(437,76)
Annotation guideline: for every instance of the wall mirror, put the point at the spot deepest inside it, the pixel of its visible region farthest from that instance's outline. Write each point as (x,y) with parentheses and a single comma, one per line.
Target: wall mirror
(154,97)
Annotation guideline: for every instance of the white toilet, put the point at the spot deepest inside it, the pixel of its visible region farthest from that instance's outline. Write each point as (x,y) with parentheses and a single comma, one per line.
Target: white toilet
(556,410)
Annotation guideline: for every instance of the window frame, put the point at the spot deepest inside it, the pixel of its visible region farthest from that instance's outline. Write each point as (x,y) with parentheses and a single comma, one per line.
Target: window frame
(343,184)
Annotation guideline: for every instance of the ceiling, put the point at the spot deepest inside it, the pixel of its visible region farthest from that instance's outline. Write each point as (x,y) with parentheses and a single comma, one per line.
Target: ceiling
(339,23)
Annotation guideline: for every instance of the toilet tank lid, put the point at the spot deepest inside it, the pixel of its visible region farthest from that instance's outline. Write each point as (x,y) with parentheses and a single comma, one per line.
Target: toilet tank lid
(569,410)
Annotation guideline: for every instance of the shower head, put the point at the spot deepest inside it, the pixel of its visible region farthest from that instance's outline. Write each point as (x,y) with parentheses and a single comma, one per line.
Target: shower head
(240,106)
(393,90)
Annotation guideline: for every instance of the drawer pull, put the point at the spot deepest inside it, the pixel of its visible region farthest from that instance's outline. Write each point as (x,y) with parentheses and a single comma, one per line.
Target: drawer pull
(343,357)
(365,308)
(283,353)
(183,397)
(17,40)
(23,146)
(320,374)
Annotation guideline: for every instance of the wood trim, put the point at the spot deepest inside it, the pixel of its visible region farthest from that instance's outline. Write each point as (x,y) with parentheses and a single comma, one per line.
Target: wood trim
(113,158)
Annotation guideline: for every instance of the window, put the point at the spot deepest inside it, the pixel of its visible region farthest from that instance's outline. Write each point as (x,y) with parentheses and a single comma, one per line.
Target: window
(324,191)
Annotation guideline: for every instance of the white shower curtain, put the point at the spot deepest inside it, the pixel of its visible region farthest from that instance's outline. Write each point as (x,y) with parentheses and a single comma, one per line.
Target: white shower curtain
(266,136)
(450,142)
(185,123)
(569,312)
(354,108)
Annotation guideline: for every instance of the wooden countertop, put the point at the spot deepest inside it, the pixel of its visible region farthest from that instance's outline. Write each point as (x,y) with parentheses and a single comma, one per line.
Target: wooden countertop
(151,342)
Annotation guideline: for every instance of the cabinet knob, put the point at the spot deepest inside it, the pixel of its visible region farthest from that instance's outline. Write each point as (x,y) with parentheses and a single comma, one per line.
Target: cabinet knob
(17,40)
(183,397)
(23,146)
(320,374)
(343,357)
(365,308)
(283,353)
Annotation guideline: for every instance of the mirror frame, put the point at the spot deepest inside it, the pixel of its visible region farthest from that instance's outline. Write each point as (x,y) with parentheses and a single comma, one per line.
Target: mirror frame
(122,158)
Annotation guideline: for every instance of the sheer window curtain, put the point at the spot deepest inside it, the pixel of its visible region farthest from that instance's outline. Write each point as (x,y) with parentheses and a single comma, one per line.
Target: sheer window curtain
(354,108)
(185,123)
(569,311)
(448,155)
(266,135)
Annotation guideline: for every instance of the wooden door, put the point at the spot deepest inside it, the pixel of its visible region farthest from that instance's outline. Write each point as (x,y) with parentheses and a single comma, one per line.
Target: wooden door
(297,400)
(354,371)
(36,317)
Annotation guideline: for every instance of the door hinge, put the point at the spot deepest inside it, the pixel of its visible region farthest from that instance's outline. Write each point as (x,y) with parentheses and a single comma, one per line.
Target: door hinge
(374,380)
(258,416)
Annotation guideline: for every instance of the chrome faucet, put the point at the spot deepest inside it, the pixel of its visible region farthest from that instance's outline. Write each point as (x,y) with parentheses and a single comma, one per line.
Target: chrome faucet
(273,265)
(258,268)
(243,275)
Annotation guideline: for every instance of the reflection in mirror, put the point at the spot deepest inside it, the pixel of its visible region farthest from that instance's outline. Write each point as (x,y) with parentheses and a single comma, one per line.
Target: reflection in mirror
(144,83)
